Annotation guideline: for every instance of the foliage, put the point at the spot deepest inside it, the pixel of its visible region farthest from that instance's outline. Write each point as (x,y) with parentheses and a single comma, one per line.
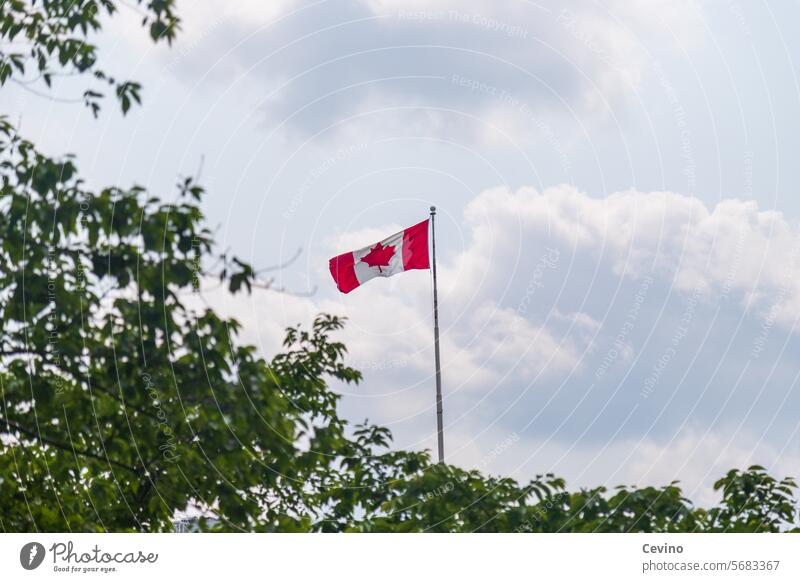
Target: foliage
(449,499)
(752,501)
(51,38)
(123,404)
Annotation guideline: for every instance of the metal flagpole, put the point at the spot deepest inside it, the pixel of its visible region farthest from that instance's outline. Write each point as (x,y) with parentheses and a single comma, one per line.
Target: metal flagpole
(439,424)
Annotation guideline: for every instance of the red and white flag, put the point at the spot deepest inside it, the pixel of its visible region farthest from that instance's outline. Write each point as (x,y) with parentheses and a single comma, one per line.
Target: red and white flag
(404,251)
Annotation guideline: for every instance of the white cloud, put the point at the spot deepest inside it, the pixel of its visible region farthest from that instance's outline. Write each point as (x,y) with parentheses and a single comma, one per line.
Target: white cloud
(734,247)
(435,67)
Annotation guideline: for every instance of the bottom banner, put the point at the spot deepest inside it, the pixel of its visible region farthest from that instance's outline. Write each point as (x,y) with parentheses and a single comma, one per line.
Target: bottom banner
(356,557)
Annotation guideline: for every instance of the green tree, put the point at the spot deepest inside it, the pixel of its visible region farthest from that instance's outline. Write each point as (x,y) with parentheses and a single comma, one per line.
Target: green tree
(448,499)
(119,403)
(122,404)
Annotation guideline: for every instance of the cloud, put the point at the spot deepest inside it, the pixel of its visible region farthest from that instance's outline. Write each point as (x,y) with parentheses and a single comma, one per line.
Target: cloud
(469,69)
(732,250)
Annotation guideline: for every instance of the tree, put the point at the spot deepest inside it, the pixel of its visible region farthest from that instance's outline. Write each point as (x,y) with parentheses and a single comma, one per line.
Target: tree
(448,499)
(122,404)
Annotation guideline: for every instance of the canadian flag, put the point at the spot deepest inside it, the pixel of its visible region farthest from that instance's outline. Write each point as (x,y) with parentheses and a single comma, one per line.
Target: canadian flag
(404,251)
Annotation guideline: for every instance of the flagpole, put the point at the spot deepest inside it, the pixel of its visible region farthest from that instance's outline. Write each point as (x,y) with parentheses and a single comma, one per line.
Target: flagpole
(439,424)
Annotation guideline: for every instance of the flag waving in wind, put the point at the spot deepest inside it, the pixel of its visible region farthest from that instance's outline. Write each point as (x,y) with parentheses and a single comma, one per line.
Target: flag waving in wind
(401,252)
(404,251)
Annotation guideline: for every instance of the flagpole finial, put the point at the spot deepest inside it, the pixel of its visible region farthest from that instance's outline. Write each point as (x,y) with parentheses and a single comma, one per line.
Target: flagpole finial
(433,210)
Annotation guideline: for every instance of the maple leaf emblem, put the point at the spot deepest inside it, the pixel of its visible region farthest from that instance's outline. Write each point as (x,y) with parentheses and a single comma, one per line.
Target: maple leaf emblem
(378,256)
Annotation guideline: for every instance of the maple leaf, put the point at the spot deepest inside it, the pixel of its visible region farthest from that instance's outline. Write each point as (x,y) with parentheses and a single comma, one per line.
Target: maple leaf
(378,256)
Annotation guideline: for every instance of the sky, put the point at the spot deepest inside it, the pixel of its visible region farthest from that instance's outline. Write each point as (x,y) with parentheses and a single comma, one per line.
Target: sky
(617,229)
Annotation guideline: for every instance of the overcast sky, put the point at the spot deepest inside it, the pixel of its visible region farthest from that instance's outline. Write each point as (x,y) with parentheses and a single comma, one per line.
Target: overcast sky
(618,211)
